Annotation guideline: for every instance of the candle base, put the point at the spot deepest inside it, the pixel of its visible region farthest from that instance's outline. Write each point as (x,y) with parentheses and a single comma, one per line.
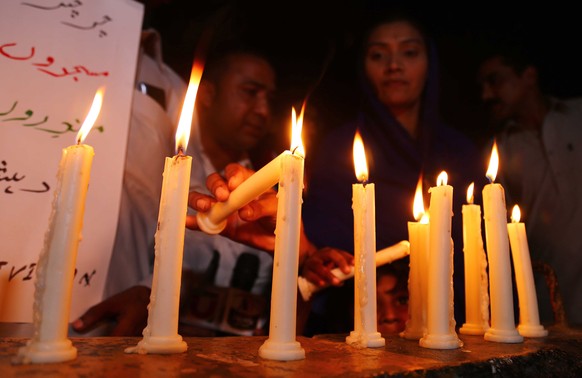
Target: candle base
(281,351)
(412,334)
(473,329)
(530,330)
(370,340)
(450,341)
(159,345)
(44,352)
(509,336)
(209,227)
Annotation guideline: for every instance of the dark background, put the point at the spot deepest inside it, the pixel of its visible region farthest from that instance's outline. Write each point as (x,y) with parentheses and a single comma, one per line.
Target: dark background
(301,36)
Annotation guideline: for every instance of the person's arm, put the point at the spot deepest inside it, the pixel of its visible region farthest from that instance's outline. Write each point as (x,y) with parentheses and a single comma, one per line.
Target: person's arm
(129,309)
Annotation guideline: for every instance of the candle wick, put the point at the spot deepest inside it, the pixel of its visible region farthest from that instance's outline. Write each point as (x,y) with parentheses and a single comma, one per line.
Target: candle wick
(295,149)
(180,151)
(365,182)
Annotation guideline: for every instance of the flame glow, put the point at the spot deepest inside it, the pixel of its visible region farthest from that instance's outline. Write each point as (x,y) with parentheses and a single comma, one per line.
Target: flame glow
(185,123)
(442,179)
(91,116)
(418,204)
(493,164)
(515,214)
(470,190)
(296,128)
(360,163)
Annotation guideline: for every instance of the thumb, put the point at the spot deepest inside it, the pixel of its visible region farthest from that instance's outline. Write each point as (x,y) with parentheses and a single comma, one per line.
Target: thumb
(90,318)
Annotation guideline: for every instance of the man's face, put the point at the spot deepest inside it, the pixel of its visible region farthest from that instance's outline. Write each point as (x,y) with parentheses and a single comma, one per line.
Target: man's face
(241,105)
(502,89)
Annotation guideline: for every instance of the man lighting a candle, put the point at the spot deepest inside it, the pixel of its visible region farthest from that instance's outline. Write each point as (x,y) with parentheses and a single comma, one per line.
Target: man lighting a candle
(234,109)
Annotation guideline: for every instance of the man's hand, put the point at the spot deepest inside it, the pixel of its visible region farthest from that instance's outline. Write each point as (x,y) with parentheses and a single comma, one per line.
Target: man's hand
(317,267)
(128,309)
(254,223)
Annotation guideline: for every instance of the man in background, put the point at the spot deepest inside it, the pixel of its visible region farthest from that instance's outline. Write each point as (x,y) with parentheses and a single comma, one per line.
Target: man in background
(540,146)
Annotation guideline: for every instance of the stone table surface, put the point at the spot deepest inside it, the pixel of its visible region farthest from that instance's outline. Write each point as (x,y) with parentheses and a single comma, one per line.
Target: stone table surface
(559,354)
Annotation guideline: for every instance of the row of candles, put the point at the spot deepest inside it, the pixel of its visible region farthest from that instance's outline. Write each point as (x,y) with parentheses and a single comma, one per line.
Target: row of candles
(431,300)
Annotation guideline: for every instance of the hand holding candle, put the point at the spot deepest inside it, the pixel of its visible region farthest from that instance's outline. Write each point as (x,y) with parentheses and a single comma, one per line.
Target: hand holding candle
(56,265)
(365,333)
(529,318)
(500,288)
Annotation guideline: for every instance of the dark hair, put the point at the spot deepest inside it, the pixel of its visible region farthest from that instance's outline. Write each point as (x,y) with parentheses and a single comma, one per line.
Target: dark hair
(399,269)
(389,15)
(218,58)
(512,54)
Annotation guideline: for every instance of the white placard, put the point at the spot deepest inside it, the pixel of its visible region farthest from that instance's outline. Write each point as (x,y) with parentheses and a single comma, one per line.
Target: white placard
(54,55)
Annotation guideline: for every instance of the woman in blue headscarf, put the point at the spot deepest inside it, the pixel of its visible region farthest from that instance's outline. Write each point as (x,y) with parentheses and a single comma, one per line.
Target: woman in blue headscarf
(404,138)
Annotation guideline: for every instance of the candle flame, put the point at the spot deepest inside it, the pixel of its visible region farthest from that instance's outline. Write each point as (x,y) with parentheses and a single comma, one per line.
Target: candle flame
(442,179)
(493,164)
(296,128)
(185,123)
(91,116)
(360,163)
(418,204)
(424,219)
(470,190)
(515,214)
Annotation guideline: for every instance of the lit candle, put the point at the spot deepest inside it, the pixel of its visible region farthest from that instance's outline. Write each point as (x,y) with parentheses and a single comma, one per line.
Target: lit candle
(440,324)
(417,278)
(282,344)
(56,265)
(500,288)
(161,333)
(476,283)
(382,257)
(529,318)
(365,333)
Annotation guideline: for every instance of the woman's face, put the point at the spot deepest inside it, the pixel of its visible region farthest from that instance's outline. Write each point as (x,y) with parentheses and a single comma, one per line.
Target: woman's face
(396,63)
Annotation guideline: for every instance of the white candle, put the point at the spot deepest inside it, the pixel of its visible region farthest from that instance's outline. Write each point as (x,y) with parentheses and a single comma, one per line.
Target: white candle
(476,282)
(440,324)
(417,278)
(161,333)
(529,318)
(365,333)
(500,288)
(56,265)
(282,344)
(382,257)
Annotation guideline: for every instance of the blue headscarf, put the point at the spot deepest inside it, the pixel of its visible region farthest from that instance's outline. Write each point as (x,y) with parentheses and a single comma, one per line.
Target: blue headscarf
(396,160)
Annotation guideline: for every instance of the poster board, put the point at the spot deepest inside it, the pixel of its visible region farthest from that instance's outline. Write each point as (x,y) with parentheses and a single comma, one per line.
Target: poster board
(54,55)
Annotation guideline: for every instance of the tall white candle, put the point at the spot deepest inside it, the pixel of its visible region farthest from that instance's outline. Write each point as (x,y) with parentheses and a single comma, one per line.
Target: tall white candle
(382,257)
(440,328)
(529,318)
(55,269)
(417,278)
(476,282)
(161,333)
(282,344)
(365,333)
(500,288)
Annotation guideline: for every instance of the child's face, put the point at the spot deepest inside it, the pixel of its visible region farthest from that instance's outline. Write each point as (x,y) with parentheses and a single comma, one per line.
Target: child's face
(392,305)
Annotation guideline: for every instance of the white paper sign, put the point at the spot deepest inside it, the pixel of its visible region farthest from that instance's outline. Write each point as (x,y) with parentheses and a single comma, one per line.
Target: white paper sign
(54,55)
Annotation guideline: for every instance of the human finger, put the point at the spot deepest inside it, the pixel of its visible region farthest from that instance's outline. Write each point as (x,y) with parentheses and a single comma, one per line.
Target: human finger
(218,187)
